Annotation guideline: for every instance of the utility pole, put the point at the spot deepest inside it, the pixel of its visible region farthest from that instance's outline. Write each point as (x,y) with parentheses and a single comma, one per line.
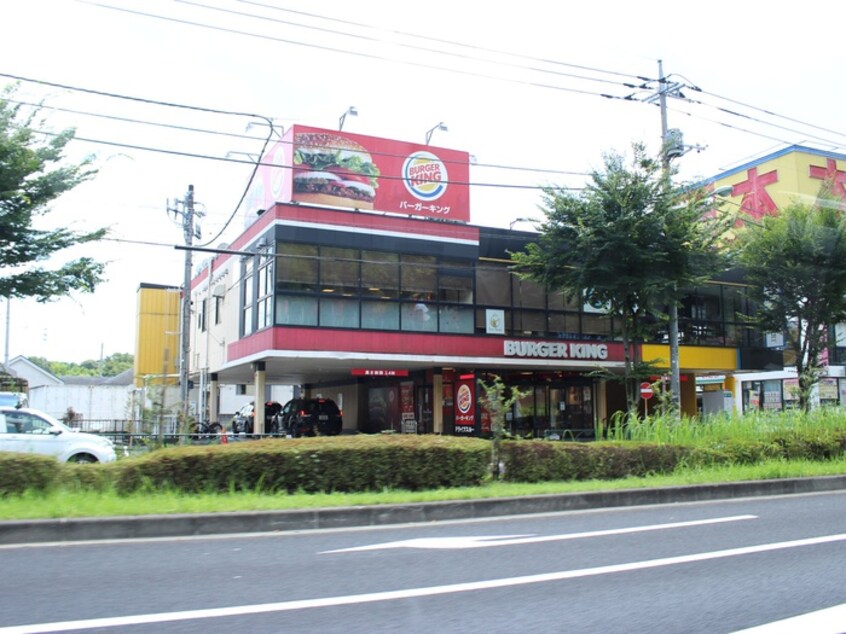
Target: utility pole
(671,147)
(185,208)
(675,372)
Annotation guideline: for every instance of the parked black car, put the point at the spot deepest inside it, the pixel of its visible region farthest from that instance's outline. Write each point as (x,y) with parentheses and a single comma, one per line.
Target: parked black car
(311,417)
(242,422)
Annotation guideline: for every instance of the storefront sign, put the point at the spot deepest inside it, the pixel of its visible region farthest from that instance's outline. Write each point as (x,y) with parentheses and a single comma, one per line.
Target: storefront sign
(555,350)
(465,408)
(314,166)
(377,372)
(495,321)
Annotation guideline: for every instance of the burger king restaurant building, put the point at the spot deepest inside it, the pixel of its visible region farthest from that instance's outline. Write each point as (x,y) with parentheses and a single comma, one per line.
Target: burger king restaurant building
(398,314)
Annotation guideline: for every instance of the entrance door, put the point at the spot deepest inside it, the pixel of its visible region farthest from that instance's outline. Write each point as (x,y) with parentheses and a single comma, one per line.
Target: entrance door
(425,418)
(571,410)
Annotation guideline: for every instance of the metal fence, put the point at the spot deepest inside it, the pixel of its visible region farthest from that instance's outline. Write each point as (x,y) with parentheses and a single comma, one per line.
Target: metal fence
(132,437)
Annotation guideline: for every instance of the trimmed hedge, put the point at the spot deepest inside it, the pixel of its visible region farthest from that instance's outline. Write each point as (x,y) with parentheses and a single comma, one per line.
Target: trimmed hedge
(377,462)
(20,472)
(343,464)
(541,460)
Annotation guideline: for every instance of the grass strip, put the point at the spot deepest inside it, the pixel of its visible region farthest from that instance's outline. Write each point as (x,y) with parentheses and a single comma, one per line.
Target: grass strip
(64,503)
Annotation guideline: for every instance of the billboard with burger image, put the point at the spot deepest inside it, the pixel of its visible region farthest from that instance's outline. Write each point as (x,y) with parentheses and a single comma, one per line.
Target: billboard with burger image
(333,169)
(315,166)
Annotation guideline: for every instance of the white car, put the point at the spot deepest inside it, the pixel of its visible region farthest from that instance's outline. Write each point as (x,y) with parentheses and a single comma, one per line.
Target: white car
(25,430)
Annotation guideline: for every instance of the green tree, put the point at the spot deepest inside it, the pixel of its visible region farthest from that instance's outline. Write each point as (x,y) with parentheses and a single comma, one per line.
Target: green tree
(498,398)
(631,241)
(794,263)
(116,363)
(33,173)
(110,366)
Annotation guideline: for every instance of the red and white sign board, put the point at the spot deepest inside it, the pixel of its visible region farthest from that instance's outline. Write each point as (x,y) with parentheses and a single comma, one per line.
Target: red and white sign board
(646,391)
(315,166)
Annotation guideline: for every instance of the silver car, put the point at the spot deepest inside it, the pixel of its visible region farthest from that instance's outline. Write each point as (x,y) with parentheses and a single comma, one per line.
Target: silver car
(25,430)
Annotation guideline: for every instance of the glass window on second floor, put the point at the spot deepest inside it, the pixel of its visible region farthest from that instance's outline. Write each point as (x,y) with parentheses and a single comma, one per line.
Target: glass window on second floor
(705,304)
(493,284)
(247,297)
(734,303)
(339,270)
(528,294)
(296,267)
(596,325)
(457,289)
(419,277)
(559,301)
(380,274)
(264,300)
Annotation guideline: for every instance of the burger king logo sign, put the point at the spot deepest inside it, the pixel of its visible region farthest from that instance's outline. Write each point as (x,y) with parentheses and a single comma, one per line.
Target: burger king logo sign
(425,176)
(464,399)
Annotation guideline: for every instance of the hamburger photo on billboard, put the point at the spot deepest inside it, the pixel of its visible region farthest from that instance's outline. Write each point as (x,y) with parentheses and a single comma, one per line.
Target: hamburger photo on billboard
(332,169)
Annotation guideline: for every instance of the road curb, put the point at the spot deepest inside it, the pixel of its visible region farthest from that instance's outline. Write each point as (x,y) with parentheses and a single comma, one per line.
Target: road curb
(150,526)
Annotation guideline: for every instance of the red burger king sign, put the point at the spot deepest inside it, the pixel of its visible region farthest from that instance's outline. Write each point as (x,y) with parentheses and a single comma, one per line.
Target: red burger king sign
(465,408)
(314,166)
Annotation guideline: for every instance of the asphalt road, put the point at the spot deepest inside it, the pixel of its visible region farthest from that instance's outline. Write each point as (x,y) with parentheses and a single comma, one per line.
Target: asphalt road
(693,567)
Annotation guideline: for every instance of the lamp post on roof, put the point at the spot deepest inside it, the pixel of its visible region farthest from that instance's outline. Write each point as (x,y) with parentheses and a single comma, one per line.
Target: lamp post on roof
(351,111)
(441,126)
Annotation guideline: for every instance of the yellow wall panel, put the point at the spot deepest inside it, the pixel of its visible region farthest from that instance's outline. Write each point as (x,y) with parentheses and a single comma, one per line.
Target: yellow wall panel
(699,358)
(771,184)
(157,347)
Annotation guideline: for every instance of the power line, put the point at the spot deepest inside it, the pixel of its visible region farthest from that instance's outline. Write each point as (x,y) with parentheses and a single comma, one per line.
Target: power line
(332,49)
(276,165)
(229,134)
(266,120)
(411,46)
(424,65)
(771,113)
(169,126)
(154,102)
(443,41)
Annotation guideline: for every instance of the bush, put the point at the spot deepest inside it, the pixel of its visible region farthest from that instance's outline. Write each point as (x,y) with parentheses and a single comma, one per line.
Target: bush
(747,452)
(20,472)
(537,461)
(354,463)
(86,477)
(810,445)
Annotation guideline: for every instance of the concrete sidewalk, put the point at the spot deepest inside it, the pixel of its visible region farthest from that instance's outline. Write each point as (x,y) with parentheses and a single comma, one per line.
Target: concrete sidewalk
(149,526)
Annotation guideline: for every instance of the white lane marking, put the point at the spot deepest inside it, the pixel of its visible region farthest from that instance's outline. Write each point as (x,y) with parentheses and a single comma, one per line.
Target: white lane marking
(410,593)
(481,541)
(828,621)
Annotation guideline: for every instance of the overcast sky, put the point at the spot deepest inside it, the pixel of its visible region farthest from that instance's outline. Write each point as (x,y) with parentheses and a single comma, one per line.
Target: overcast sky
(535,91)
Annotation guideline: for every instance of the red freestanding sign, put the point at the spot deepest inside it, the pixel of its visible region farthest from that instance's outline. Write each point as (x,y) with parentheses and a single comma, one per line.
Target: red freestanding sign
(338,169)
(465,408)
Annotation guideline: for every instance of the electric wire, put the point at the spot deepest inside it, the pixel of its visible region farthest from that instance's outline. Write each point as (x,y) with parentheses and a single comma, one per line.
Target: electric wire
(770,112)
(257,164)
(236,135)
(418,64)
(646,80)
(403,44)
(267,120)
(430,38)
(333,49)
(766,123)
(168,126)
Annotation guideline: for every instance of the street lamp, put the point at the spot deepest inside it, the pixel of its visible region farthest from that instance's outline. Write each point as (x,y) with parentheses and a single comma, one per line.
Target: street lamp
(516,220)
(351,111)
(441,126)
